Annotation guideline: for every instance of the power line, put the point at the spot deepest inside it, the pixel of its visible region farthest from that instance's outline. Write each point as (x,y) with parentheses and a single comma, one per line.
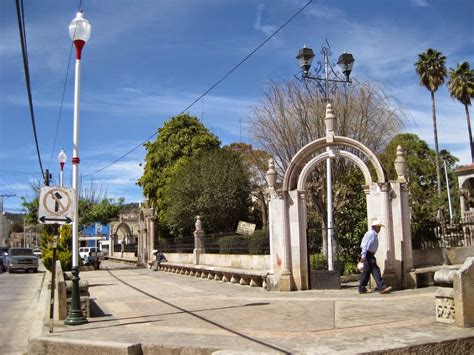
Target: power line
(60,107)
(21,25)
(209,89)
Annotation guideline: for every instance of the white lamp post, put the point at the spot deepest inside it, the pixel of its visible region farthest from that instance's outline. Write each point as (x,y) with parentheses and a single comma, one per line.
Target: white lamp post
(345,61)
(80,31)
(443,154)
(62,158)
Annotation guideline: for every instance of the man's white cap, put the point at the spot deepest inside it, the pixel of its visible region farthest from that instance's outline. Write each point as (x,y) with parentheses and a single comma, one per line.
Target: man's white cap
(155,251)
(376,222)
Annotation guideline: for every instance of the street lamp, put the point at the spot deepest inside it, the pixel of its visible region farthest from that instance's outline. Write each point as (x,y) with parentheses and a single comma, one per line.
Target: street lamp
(443,154)
(62,158)
(80,31)
(326,85)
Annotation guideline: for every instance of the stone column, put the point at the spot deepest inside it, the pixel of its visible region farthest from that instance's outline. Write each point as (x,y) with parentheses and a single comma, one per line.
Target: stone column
(299,250)
(198,236)
(280,277)
(151,235)
(286,282)
(378,206)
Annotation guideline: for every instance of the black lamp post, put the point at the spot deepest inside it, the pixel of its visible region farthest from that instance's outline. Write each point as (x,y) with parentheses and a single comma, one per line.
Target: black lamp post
(345,61)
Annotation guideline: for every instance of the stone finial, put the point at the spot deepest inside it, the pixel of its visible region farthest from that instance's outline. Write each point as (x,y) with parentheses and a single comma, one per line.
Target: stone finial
(400,164)
(271,174)
(198,223)
(330,121)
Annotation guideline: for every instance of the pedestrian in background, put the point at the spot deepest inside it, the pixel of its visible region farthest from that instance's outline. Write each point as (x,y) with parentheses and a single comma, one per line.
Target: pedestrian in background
(159,258)
(369,245)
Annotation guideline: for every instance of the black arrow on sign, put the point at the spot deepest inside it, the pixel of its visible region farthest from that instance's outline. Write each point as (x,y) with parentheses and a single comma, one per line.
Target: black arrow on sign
(45,219)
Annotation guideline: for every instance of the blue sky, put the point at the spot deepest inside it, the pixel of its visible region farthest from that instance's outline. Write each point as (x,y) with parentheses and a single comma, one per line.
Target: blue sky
(147,60)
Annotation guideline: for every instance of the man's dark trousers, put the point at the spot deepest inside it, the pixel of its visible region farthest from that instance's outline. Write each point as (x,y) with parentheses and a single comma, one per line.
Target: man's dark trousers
(370,267)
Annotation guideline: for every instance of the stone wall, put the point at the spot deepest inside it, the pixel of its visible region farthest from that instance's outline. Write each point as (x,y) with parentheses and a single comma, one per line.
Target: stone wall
(251,262)
(441,256)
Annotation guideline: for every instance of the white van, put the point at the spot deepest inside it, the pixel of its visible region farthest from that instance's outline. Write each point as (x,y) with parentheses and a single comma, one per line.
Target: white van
(84,251)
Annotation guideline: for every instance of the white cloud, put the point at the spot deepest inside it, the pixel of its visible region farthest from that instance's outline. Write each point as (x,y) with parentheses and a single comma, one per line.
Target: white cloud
(259,26)
(420,3)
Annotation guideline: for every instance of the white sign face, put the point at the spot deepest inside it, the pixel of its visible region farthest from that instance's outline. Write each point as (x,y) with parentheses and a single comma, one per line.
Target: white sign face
(245,228)
(56,205)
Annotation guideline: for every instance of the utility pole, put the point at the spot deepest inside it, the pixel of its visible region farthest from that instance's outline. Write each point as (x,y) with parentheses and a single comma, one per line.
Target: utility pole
(1,213)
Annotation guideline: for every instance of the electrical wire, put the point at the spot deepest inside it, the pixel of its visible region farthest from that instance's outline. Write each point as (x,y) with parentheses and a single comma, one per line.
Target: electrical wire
(213,86)
(60,108)
(24,49)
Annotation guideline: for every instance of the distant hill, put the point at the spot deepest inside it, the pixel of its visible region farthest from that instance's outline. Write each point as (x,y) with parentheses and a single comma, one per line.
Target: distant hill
(130,208)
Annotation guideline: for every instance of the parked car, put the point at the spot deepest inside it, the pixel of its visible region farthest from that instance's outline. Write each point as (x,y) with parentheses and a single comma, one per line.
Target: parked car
(3,258)
(84,251)
(21,259)
(37,252)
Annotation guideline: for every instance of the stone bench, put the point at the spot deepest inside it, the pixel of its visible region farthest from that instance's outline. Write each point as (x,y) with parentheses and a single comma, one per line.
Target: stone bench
(425,276)
(252,278)
(455,303)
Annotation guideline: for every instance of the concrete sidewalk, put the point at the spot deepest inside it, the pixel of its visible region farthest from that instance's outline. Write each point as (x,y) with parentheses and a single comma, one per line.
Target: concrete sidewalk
(139,311)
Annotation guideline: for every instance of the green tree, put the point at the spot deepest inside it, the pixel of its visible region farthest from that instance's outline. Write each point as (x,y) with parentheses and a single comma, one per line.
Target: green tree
(214,185)
(461,88)
(180,138)
(422,184)
(256,163)
(63,249)
(351,215)
(431,68)
(102,211)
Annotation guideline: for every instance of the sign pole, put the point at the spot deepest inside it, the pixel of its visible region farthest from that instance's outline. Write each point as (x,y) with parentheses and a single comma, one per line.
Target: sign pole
(53,287)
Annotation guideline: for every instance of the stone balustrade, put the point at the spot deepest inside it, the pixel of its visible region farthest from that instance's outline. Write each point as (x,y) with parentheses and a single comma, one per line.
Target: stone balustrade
(247,277)
(64,290)
(455,304)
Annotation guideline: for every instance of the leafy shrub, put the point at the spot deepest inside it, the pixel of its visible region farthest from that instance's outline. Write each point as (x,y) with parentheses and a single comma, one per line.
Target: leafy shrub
(318,262)
(233,244)
(350,268)
(259,242)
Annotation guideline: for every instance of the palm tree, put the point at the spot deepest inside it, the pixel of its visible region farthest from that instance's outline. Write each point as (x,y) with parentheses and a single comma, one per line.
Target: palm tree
(461,87)
(431,68)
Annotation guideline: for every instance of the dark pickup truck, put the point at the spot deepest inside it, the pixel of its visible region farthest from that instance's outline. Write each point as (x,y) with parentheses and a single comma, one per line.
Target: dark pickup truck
(21,259)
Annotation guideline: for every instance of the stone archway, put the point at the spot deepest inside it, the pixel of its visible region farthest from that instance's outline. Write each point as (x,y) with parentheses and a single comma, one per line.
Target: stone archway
(120,234)
(288,219)
(146,235)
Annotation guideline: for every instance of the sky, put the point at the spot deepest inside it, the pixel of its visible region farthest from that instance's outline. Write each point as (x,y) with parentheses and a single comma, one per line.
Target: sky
(148,60)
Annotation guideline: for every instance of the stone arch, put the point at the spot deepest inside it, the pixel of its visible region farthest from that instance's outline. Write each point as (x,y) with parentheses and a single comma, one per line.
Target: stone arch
(387,201)
(300,159)
(322,157)
(124,226)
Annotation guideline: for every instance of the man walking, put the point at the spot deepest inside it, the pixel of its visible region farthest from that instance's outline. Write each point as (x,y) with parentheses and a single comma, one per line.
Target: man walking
(369,246)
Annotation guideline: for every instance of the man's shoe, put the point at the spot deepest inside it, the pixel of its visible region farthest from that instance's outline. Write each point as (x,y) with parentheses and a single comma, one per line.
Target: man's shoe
(387,289)
(365,291)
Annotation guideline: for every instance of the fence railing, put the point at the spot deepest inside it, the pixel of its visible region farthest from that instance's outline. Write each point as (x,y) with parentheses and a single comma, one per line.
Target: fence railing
(221,243)
(127,248)
(448,235)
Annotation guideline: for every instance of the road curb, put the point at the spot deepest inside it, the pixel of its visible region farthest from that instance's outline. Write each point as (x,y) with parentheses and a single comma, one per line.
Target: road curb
(48,345)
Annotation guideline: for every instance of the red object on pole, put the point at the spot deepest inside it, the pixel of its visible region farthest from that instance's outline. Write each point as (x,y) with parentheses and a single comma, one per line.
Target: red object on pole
(76,160)
(79,44)
(61,165)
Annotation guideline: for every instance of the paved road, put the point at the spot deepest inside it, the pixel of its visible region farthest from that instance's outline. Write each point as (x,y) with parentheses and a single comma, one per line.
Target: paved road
(19,305)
